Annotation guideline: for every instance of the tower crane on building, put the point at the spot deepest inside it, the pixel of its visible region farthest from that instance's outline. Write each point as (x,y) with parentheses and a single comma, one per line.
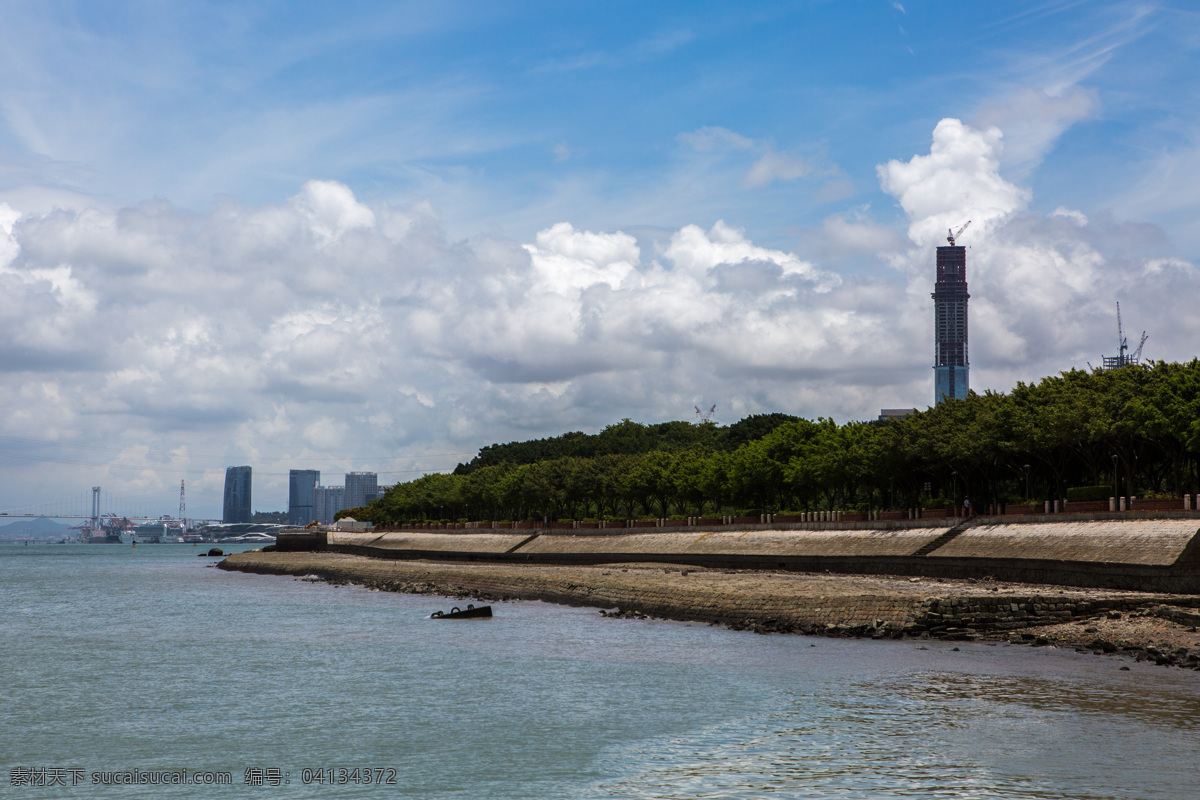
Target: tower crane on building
(182,508)
(1137,354)
(1122,358)
(954,235)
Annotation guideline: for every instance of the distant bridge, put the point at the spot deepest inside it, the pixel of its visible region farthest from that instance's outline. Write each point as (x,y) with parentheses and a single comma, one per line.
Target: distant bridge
(91,506)
(131,518)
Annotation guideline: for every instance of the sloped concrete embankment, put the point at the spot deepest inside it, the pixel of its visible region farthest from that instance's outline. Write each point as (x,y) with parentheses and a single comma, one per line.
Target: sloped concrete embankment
(1161,555)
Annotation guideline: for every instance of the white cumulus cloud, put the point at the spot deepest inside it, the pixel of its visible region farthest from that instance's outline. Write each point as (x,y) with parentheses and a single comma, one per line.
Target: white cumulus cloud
(1043,287)
(324,332)
(958,181)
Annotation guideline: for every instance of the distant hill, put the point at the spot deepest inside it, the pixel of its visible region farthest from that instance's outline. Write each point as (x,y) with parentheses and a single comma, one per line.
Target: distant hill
(37,528)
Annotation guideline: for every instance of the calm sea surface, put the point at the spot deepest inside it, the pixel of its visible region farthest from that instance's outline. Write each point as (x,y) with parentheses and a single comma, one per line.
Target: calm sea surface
(116,659)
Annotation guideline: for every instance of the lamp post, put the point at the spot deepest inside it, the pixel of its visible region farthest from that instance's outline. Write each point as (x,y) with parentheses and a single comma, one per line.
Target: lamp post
(954,490)
(1116,497)
(1027,483)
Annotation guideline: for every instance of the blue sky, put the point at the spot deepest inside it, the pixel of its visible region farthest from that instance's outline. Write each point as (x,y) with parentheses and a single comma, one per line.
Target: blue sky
(507,114)
(225,221)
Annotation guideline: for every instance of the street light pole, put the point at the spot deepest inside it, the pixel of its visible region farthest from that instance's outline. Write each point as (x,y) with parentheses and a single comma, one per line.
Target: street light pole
(954,490)
(1116,496)
(1026,482)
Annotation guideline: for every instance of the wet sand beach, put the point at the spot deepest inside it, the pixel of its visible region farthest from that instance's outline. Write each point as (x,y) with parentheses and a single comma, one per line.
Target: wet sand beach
(1141,625)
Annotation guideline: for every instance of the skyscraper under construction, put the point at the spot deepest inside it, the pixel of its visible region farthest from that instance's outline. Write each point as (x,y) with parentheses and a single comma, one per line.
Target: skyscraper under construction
(950,297)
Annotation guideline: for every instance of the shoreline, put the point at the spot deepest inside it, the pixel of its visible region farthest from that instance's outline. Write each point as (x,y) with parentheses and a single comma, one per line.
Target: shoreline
(1158,627)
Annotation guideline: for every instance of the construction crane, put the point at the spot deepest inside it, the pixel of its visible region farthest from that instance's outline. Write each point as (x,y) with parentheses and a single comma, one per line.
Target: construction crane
(182,508)
(954,235)
(1122,341)
(1137,354)
(1122,359)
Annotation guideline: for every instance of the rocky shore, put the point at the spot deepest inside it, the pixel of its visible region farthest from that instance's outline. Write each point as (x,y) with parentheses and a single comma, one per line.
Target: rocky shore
(1162,628)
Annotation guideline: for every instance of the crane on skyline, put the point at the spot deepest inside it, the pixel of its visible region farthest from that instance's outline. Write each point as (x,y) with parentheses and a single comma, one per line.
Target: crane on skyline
(1122,358)
(954,235)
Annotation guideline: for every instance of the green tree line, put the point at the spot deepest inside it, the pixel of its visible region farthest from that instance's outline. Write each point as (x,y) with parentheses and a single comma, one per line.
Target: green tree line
(1135,428)
(628,438)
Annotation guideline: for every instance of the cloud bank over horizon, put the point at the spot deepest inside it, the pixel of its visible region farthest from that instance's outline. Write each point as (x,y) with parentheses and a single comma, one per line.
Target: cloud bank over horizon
(327,332)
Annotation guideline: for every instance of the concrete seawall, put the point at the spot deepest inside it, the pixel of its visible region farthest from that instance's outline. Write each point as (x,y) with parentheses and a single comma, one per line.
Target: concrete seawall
(1145,552)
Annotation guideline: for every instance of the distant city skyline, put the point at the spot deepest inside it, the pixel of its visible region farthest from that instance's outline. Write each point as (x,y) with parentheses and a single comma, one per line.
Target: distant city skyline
(309,501)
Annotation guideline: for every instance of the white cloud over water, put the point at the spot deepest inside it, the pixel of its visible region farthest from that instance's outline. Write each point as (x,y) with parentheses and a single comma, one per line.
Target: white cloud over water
(327,332)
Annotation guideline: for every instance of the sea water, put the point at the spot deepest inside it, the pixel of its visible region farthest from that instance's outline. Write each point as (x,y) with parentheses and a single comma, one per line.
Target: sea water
(123,664)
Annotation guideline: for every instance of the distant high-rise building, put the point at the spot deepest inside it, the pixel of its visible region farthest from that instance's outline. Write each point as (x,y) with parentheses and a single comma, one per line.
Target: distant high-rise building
(302,484)
(358,486)
(328,500)
(950,324)
(237,495)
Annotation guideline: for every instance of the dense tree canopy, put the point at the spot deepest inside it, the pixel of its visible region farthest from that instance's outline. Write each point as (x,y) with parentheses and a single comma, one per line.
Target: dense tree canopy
(1056,436)
(628,438)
